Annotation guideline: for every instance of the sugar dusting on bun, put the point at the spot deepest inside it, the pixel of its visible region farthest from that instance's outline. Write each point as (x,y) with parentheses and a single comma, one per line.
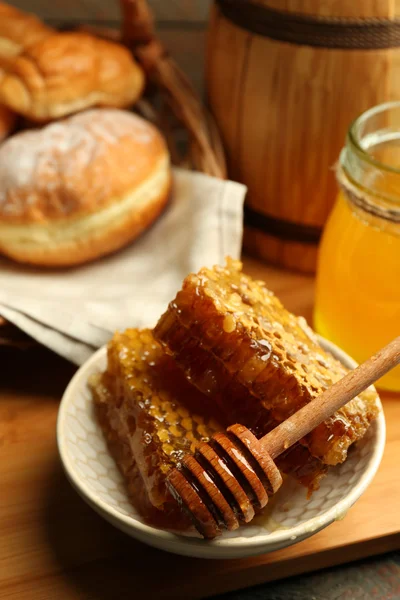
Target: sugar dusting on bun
(80,188)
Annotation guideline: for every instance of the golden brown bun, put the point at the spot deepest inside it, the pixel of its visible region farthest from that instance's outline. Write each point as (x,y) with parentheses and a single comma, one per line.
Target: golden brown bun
(68,72)
(19,30)
(80,188)
(7,122)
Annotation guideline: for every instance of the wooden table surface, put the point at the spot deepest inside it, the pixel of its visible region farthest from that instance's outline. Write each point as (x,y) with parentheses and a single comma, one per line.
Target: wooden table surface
(52,545)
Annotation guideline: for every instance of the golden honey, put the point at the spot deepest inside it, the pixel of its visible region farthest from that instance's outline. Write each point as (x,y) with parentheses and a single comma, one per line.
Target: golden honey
(358,280)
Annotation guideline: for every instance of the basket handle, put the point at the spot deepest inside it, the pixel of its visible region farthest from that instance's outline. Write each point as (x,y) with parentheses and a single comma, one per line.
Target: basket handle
(206,152)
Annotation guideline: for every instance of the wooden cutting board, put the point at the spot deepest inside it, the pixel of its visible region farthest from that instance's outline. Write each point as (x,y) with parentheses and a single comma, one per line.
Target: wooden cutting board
(52,545)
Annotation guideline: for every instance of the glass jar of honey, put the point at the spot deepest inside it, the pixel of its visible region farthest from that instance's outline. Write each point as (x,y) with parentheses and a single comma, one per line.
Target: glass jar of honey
(358,277)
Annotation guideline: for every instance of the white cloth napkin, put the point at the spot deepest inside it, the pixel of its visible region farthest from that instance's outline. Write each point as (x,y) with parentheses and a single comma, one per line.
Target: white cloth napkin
(75,311)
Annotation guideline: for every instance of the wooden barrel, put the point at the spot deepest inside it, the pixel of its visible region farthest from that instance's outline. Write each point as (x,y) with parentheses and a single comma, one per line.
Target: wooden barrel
(285,78)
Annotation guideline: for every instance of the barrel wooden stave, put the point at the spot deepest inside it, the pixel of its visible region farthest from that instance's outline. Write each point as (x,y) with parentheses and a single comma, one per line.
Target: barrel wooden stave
(284,110)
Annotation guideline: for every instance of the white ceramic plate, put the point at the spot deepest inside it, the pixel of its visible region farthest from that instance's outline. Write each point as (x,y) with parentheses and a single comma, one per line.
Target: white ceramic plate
(288,518)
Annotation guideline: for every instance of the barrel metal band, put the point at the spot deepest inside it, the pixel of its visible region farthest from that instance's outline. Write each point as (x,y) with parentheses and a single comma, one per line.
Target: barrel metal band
(280,228)
(312,30)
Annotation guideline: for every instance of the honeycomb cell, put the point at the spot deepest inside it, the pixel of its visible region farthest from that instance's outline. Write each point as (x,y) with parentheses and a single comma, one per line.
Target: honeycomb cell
(147,438)
(258,362)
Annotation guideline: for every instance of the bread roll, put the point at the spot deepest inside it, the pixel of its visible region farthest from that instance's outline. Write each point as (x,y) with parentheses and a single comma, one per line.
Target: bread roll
(80,188)
(68,72)
(7,122)
(19,30)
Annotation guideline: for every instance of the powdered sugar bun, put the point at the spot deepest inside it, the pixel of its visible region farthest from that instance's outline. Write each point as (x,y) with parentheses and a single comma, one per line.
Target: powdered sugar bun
(80,188)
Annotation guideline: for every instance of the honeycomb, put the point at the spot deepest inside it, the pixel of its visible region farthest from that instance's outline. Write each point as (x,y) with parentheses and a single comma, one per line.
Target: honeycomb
(259,363)
(151,416)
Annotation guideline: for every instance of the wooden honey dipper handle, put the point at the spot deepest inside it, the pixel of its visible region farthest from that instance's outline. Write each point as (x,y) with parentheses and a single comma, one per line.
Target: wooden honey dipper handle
(314,413)
(233,475)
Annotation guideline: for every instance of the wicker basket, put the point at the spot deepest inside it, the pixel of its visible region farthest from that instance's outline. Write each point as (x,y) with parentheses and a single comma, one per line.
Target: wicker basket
(170,102)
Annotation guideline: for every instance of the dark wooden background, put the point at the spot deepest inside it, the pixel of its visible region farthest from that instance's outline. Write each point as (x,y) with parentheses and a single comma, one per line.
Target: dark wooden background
(178,11)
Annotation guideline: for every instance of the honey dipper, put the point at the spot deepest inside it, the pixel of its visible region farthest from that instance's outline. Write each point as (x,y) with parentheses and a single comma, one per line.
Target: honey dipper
(234,473)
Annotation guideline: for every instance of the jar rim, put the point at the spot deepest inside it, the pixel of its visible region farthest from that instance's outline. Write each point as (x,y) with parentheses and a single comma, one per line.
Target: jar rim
(353,137)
